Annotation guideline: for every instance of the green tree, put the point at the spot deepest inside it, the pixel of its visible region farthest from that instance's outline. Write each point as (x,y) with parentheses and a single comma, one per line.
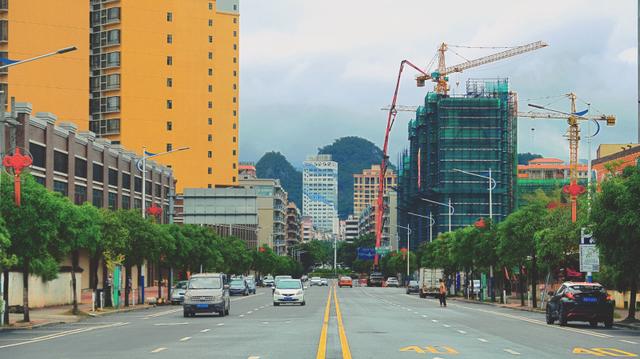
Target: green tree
(113,243)
(616,226)
(237,258)
(33,228)
(264,260)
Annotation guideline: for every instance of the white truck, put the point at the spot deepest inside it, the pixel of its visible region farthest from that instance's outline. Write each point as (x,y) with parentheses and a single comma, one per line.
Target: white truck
(429,281)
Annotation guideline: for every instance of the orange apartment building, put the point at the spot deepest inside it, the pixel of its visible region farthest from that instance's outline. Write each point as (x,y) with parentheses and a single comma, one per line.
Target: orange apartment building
(365,187)
(625,156)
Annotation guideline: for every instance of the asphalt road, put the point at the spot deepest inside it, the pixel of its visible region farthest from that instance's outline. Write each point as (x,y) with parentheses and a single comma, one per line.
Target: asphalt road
(366,323)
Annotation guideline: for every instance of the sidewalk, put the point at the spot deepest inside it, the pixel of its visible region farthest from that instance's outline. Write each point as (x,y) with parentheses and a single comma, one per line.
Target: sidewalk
(619,313)
(41,317)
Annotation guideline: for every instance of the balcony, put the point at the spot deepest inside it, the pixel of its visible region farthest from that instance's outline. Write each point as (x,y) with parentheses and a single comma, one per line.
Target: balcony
(4,5)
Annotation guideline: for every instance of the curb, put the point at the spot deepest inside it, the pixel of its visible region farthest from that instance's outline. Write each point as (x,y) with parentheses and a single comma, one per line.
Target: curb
(79,319)
(626,325)
(522,309)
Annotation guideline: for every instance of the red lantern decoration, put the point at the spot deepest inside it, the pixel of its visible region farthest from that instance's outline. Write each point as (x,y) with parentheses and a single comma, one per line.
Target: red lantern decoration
(404,252)
(154,210)
(17,162)
(262,249)
(480,223)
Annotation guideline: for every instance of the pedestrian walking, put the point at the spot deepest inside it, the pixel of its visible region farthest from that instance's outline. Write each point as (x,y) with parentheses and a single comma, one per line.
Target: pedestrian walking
(443,294)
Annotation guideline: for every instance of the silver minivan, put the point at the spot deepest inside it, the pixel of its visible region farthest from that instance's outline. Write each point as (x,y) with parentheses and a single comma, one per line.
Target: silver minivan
(206,293)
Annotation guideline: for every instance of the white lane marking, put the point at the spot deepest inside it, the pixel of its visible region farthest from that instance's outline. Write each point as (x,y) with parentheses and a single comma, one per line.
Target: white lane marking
(241,315)
(446,325)
(539,322)
(253,357)
(185,339)
(628,341)
(170,324)
(255,309)
(247,297)
(204,330)
(462,332)
(424,316)
(162,313)
(265,322)
(220,324)
(249,312)
(434,320)
(64,334)
(511,351)
(158,350)
(482,340)
(415,312)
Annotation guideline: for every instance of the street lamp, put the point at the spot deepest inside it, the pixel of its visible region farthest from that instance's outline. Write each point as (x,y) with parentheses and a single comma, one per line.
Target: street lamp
(451,209)
(431,222)
(408,250)
(492,186)
(20,62)
(142,166)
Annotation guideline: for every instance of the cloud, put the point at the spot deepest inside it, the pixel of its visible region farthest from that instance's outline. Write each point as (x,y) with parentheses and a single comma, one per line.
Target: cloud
(629,56)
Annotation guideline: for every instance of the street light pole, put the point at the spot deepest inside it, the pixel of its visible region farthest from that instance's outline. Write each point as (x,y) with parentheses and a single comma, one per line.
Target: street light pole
(408,228)
(451,209)
(431,222)
(143,169)
(58,52)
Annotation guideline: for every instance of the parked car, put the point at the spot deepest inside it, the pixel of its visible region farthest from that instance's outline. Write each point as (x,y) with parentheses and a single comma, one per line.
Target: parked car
(206,293)
(393,282)
(238,286)
(413,287)
(315,281)
(324,281)
(177,293)
(288,291)
(580,301)
(251,284)
(268,281)
(375,279)
(345,282)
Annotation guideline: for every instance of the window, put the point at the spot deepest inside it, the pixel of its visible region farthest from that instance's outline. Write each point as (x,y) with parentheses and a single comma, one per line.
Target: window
(113,200)
(235,86)
(210,39)
(210,55)
(112,104)
(97,199)
(234,125)
(137,203)
(169,104)
(126,181)
(233,152)
(148,188)
(209,185)
(234,166)
(61,187)
(169,82)
(235,46)
(113,177)
(126,202)
(234,179)
(80,195)
(98,175)
(235,7)
(169,16)
(169,126)
(81,168)
(234,139)
(169,60)
(210,6)
(235,33)
(169,39)
(210,22)
(210,137)
(210,88)
(210,104)
(158,190)
(235,21)
(210,154)
(39,155)
(235,73)
(235,99)
(210,121)
(60,162)
(235,113)
(209,170)
(210,72)
(169,147)
(137,184)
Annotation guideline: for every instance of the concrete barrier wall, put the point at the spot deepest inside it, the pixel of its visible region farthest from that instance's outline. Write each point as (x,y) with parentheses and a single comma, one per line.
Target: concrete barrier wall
(41,294)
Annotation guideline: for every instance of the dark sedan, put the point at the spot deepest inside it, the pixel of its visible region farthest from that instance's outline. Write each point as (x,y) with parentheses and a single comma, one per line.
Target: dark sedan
(586,302)
(413,287)
(238,287)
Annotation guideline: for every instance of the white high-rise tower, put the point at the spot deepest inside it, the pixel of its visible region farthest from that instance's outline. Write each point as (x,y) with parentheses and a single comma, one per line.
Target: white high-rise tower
(320,192)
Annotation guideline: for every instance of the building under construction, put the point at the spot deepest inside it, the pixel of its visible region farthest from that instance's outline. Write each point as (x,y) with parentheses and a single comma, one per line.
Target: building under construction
(475,132)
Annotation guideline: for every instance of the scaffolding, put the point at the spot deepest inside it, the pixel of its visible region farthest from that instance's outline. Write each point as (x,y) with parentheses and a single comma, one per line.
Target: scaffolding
(473,132)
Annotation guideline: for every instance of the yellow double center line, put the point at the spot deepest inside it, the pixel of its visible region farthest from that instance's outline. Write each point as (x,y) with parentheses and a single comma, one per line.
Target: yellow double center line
(344,344)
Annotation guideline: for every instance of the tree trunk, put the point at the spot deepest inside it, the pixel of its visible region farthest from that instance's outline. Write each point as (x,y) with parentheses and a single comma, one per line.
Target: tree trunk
(74,265)
(93,276)
(159,281)
(127,285)
(140,284)
(632,300)
(25,290)
(521,289)
(5,296)
(106,286)
(534,279)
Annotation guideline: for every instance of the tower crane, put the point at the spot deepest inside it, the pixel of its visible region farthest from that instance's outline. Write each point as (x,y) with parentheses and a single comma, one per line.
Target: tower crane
(440,77)
(573,118)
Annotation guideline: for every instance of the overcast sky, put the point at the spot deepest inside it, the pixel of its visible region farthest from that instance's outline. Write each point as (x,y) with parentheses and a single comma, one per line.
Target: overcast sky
(316,70)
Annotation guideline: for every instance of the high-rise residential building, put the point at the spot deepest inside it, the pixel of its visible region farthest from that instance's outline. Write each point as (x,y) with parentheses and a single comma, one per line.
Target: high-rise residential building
(272,210)
(365,187)
(308,232)
(294,230)
(320,192)
(164,74)
(60,83)
(351,228)
(471,132)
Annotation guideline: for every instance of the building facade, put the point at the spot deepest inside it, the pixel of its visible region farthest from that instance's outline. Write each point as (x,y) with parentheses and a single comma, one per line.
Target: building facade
(272,207)
(547,174)
(365,187)
(320,192)
(351,228)
(308,233)
(294,228)
(627,155)
(59,84)
(228,210)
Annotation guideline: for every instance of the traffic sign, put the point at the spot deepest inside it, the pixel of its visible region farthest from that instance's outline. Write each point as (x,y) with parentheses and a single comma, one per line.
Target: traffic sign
(589,253)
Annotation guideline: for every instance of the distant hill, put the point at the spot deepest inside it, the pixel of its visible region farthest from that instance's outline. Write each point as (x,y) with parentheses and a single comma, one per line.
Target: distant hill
(524,158)
(275,165)
(353,154)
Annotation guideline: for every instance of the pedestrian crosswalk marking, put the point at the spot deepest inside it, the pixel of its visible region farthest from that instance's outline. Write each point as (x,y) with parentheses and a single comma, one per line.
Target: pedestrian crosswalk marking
(432,349)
